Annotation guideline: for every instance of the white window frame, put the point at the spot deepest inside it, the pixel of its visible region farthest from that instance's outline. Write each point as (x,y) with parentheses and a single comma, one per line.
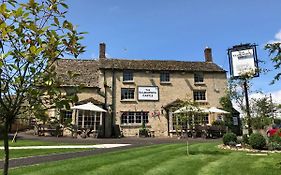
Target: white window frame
(127,95)
(128,76)
(199,94)
(127,120)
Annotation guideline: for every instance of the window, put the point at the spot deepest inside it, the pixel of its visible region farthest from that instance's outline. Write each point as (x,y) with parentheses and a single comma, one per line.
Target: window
(164,77)
(138,117)
(128,76)
(206,119)
(127,93)
(89,119)
(198,77)
(134,117)
(199,95)
(66,116)
(131,117)
(178,123)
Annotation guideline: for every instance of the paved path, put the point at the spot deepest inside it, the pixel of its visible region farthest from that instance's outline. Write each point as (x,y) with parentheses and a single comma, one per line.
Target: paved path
(132,142)
(66,146)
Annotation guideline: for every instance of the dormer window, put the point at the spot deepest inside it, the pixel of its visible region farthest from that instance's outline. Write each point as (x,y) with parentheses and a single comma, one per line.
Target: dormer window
(198,77)
(164,77)
(128,76)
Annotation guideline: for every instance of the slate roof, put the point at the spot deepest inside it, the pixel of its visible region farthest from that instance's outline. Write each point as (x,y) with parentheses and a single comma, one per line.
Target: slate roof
(86,70)
(160,65)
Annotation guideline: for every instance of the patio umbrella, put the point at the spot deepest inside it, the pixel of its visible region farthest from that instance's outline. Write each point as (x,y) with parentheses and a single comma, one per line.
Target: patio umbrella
(217,110)
(191,108)
(89,107)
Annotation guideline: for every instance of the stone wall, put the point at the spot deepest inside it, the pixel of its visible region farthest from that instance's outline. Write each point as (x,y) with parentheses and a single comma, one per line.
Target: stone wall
(181,86)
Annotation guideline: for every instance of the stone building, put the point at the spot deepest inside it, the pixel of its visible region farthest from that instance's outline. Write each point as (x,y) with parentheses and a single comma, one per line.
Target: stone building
(142,91)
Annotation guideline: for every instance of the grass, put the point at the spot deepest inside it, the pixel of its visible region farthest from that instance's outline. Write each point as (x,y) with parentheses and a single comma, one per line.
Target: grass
(35,152)
(204,158)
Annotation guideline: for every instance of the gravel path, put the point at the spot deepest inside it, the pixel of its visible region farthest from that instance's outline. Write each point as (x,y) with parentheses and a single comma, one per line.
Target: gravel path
(132,142)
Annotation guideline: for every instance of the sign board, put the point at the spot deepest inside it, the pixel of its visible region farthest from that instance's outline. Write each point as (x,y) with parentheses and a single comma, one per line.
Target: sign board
(148,93)
(243,60)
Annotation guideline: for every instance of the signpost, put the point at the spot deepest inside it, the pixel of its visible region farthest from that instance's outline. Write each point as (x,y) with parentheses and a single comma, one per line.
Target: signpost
(244,65)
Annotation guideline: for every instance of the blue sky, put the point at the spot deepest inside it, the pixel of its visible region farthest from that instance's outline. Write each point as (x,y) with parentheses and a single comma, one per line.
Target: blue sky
(179,30)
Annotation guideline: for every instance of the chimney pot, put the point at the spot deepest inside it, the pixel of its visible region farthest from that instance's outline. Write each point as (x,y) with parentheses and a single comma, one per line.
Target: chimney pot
(208,54)
(102,50)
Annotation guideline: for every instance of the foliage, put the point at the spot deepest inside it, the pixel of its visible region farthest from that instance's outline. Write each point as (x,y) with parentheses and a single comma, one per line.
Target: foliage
(275,141)
(218,123)
(257,141)
(261,110)
(260,122)
(276,137)
(143,131)
(277,121)
(226,104)
(274,50)
(245,139)
(33,35)
(229,137)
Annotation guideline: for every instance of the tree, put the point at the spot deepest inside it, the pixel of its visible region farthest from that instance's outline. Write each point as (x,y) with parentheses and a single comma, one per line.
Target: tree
(33,35)
(275,51)
(262,110)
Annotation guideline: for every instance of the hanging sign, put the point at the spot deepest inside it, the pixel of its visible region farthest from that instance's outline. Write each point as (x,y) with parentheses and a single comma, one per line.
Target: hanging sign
(243,60)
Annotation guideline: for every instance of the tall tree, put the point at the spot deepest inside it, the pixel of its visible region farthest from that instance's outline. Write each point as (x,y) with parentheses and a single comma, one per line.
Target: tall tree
(262,111)
(275,51)
(33,35)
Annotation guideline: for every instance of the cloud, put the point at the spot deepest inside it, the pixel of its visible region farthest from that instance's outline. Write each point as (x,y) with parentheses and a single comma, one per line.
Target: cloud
(276,96)
(277,38)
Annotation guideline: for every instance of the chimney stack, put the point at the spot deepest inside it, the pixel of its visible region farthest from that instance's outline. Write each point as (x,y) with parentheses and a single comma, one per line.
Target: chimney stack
(102,51)
(208,54)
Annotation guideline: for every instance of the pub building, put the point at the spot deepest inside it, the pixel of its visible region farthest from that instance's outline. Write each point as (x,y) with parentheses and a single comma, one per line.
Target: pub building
(134,92)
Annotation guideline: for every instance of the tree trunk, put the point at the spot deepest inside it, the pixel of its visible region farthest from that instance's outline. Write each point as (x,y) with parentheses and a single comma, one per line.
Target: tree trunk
(6,149)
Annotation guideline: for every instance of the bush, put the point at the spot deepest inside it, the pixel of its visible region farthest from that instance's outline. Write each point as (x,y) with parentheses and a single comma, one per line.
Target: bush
(228,138)
(245,139)
(274,146)
(257,141)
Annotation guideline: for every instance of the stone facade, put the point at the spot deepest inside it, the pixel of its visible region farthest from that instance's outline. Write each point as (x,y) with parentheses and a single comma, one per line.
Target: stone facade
(104,81)
(181,86)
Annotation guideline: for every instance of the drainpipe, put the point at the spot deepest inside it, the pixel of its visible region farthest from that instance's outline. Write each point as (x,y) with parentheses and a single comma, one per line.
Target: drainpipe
(105,102)
(113,101)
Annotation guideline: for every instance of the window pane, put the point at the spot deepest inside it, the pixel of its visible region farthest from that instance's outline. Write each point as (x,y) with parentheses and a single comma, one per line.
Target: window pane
(199,95)
(138,117)
(198,77)
(145,117)
(127,93)
(128,76)
(131,117)
(164,77)
(124,118)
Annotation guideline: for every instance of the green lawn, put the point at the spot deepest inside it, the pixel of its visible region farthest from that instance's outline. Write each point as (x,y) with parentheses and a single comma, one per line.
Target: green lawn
(204,158)
(29,152)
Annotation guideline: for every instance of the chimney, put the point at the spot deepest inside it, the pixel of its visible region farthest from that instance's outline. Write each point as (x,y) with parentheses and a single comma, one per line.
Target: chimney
(208,54)
(102,51)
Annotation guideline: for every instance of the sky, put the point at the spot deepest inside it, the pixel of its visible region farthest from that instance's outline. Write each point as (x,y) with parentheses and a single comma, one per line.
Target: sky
(180,30)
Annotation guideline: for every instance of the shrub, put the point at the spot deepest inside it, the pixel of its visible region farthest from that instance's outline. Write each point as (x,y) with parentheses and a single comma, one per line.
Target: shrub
(229,137)
(257,141)
(276,137)
(245,139)
(274,146)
